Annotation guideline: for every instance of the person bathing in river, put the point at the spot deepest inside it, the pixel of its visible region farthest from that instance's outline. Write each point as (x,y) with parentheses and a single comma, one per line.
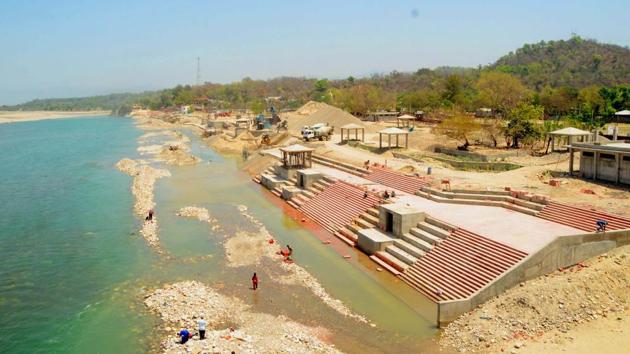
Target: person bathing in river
(150,216)
(254,282)
(287,253)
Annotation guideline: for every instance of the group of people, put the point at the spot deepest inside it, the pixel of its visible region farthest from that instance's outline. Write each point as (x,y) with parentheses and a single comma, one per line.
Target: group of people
(387,195)
(185,334)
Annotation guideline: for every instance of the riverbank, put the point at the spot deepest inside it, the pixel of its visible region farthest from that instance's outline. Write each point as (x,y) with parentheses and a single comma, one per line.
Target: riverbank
(28,116)
(554,312)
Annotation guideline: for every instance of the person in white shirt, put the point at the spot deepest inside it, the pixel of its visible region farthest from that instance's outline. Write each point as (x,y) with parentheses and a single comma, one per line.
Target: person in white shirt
(202,327)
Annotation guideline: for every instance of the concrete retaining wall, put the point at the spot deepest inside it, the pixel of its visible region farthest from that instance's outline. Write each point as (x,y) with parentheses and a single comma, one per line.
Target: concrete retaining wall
(563,252)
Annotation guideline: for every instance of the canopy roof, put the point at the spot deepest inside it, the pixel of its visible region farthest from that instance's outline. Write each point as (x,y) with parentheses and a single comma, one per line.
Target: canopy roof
(625,112)
(406,116)
(393,131)
(296,148)
(352,126)
(570,131)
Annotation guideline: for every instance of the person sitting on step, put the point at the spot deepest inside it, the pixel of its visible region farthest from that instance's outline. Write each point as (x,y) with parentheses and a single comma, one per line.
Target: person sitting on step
(601,225)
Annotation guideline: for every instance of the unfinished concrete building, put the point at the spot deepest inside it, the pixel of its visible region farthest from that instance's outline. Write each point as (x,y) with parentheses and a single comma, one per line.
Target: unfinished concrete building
(609,162)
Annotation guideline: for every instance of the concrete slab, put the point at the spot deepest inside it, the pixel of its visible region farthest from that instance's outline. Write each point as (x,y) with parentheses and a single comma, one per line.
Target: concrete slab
(371,241)
(523,232)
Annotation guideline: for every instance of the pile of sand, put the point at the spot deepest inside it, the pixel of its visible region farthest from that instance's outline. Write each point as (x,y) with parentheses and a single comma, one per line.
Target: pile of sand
(310,107)
(232,327)
(325,114)
(547,308)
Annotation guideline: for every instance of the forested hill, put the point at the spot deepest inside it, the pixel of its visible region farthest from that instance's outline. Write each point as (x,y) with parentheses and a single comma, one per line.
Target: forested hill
(576,62)
(103,102)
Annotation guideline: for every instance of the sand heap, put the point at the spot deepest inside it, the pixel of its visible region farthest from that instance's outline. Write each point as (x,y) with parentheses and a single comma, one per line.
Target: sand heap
(547,307)
(144,178)
(310,107)
(231,325)
(324,114)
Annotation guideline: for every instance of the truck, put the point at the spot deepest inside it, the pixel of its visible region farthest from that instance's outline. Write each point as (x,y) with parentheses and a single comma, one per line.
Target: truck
(321,131)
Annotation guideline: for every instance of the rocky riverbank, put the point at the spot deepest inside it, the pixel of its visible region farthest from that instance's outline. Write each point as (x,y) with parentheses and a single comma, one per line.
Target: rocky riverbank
(232,326)
(144,177)
(548,310)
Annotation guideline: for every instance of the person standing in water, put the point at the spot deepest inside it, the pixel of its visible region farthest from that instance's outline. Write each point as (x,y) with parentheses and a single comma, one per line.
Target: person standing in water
(255,282)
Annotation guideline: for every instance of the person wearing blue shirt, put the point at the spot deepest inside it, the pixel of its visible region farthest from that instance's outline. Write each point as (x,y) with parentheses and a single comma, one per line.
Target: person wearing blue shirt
(185,335)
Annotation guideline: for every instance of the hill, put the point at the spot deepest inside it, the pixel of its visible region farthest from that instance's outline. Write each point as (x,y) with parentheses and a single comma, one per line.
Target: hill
(576,62)
(104,102)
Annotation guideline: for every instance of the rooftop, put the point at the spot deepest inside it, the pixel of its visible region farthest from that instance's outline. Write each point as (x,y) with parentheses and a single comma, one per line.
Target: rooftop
(296,148)
(393,131)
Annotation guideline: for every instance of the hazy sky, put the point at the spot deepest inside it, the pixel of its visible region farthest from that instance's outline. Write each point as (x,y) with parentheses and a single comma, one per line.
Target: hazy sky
(78,48)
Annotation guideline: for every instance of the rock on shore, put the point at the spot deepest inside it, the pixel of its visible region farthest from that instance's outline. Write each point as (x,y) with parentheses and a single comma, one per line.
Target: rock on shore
(231,324)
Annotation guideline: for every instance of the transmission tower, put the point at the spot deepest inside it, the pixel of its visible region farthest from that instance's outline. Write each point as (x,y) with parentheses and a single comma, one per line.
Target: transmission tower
(198,72)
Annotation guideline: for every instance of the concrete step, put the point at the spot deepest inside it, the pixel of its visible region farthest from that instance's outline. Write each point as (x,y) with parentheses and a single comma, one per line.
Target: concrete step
(432,229)
(363,224)
(348,234)
(439,223)
(328,179)
(392,260)
(308,193)
(369,218)
(401,255)
(425,236)
(345,239)
(374,212)
(383,264)
(354,227)
(318,186)
(293,204)
(409,248)
(418,242)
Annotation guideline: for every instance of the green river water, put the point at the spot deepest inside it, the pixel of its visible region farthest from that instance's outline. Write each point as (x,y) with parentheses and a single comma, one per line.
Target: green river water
(74,270)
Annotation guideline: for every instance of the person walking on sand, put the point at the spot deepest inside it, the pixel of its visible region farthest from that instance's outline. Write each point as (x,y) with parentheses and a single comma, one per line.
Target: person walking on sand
(254,282)
(202,327)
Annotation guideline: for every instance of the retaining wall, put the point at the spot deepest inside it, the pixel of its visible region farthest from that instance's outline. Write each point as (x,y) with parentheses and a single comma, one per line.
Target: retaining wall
(563,252)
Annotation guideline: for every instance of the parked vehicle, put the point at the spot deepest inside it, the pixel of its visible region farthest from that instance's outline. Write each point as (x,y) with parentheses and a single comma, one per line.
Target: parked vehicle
(319,131)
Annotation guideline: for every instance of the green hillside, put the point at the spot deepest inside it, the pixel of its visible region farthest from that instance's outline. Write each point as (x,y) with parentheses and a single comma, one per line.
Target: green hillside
(576,62)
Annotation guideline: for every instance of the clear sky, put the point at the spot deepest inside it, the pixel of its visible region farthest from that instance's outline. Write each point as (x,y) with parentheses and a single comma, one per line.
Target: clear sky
(56,48)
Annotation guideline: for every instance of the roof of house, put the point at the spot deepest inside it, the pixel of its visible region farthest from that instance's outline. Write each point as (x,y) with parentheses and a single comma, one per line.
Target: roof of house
(570,131)
(393,131)
(352,126)
(625,112)
(296,148)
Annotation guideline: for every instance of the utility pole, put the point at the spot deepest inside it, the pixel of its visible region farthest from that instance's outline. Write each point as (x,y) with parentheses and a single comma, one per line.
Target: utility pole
(198,72)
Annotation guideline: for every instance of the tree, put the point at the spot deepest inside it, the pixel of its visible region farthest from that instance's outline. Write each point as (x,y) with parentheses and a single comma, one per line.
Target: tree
(320,92)
(591,102)
(560,101)
(363,98)
(500,91)
(459,127)
(521,123)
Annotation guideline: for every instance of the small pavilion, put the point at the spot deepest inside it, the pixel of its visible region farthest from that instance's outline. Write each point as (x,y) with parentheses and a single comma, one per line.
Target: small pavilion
(404,121)
(352,127)
(570,133)
(296,156)
(392,131)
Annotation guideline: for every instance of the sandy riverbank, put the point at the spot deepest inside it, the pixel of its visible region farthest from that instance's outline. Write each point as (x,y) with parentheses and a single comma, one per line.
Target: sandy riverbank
(553,313)
(27,116)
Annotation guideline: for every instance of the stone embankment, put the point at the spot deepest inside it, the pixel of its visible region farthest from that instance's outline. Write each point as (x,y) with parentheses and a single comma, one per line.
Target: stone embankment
(144,177)
(232,326)
(547,309)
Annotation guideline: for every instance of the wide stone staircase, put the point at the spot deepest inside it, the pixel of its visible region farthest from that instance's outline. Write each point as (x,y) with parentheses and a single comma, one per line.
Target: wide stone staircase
(516,201)
(412,246)
(338,205)
(366,220)
(401,182)
(460,265)
(582,219)
(339,165)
